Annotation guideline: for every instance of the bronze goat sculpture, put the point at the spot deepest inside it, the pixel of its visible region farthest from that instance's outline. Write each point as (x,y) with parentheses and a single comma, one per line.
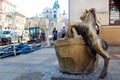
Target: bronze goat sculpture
(88,30)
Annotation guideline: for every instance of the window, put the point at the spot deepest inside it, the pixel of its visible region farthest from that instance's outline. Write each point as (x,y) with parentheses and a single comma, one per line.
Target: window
(47,16)
(8,18)
(114,14)
(29,24)
(54,11)
(6,32)
(54,15)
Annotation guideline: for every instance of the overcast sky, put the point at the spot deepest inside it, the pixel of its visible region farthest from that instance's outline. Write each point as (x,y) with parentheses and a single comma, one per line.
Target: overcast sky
(30,8)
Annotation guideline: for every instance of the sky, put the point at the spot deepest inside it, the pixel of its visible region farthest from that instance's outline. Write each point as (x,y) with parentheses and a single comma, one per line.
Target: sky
(30,8)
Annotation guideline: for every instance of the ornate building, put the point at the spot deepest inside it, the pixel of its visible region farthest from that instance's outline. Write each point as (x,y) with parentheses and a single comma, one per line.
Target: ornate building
(52,13)
(55,11)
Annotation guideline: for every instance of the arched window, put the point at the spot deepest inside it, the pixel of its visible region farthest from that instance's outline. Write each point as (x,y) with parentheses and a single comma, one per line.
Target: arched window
(54,11)
(54,15)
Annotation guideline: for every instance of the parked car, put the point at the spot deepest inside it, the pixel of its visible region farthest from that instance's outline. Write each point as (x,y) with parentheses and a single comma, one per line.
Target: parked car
(9,36)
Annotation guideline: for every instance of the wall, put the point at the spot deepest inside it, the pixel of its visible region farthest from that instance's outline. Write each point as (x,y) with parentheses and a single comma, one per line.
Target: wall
(77,7)
(111,34)
(20,22)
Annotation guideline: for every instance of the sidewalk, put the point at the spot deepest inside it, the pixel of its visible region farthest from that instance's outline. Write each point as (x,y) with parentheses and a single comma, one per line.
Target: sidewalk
(42,64)
(53,69)
(114,66)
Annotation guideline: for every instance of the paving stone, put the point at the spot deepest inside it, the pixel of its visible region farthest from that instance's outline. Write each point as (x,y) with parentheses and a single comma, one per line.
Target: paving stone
(44,64)
(82,77)
(31,76)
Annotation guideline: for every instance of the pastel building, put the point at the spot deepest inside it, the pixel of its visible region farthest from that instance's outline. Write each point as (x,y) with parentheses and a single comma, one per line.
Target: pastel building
(9,18)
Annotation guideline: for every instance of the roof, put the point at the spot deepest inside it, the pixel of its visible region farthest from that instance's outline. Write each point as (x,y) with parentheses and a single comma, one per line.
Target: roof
(19,14)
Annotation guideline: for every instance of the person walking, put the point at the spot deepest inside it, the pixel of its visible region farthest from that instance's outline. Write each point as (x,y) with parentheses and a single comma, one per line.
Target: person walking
(63,31)
(42,34)
(54,32)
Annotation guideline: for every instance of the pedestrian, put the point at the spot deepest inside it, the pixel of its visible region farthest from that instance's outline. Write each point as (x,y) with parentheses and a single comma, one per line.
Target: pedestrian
(54,32)
(42,34)
(20,37)
(63,31)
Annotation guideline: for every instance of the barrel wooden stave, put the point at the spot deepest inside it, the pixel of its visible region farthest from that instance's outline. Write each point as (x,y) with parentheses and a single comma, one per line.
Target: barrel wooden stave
(72,55)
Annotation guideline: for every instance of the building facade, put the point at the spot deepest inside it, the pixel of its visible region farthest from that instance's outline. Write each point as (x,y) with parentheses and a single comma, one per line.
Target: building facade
(49,19)
(8,14)
(9,18)
(47,13)
(52,13)
(52,18)
(1,23)
(32,22)
(20,21)
(107,10)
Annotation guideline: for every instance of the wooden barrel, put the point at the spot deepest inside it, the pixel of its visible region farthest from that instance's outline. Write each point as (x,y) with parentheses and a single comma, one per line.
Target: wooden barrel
(72,55)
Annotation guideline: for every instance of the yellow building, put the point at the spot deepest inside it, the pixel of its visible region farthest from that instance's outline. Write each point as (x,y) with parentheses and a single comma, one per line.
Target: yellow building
(20,21)
(32,22)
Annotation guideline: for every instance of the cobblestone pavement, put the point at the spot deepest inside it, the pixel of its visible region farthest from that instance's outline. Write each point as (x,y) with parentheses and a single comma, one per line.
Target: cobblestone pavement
(114,66)
(42,64)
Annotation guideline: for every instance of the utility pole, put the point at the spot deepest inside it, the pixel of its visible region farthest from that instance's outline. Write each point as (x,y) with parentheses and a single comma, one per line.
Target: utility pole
(47,37)
(13,27)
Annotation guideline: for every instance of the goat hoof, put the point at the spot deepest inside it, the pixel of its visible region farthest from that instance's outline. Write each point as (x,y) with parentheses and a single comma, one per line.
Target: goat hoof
(103,74)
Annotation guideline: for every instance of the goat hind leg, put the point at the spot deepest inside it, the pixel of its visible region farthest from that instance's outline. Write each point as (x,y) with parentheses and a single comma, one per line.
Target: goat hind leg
(93,65)
(98,48)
